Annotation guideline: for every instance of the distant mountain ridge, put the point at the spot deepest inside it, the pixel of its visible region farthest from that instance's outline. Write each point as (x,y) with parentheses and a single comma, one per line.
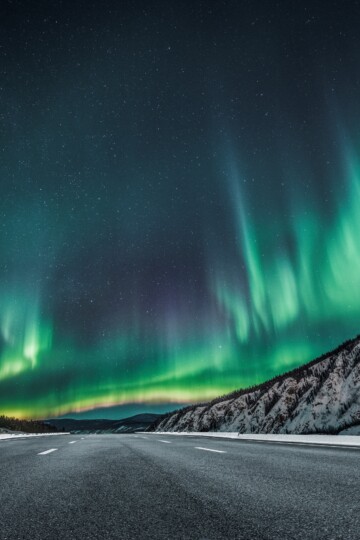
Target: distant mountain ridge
(125,425)
(322,396)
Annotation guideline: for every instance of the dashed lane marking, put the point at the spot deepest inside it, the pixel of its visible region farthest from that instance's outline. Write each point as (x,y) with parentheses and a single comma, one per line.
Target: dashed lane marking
(210,450)
(47,452)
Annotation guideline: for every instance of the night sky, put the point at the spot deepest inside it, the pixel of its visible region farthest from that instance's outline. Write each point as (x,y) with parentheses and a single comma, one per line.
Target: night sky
(180,198)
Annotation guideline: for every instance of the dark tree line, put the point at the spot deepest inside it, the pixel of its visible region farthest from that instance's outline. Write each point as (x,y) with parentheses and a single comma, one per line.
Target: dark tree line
(28,426)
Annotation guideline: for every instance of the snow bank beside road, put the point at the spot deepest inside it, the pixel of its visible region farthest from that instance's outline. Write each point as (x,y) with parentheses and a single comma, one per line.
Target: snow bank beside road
(4,436)
(326,440)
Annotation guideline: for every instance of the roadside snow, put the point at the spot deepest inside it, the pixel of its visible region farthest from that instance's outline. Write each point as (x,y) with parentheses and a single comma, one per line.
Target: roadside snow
(4,436)
(326,440)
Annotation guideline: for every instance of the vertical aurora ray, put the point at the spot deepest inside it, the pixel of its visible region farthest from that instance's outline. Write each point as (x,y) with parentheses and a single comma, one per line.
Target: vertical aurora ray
(341,280)
(24,337)
(297,293)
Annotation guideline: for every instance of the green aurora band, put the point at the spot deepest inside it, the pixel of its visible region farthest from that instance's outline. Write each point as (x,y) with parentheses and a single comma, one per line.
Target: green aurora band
(290,294)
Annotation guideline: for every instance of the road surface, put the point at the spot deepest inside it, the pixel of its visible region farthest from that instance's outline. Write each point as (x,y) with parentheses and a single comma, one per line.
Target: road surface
(163,487)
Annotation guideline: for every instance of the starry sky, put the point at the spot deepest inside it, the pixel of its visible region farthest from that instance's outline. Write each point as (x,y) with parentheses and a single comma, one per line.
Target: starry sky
(180,198)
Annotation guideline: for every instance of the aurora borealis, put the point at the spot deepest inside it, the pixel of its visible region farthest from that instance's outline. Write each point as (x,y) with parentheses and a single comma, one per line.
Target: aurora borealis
(180,198)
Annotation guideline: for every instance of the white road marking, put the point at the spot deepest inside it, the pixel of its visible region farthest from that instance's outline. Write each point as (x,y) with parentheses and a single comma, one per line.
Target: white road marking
(210,450)
(72,442)
(47,452)
(168,442)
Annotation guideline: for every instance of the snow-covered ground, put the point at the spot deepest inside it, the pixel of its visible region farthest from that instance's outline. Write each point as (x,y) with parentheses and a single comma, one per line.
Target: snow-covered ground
(327,440)
(4,436)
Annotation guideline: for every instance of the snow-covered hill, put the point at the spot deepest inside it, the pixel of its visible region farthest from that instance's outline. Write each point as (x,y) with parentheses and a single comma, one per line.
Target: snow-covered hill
(320,397)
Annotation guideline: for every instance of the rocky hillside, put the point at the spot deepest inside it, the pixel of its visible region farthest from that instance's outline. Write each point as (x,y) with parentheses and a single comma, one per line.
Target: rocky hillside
(320,397)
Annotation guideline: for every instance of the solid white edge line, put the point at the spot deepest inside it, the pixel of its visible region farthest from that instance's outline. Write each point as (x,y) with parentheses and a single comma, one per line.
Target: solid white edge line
(291,443)
(47,452)
(210,450)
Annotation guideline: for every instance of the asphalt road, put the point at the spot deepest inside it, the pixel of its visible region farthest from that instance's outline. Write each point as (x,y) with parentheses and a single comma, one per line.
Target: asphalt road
(141,487)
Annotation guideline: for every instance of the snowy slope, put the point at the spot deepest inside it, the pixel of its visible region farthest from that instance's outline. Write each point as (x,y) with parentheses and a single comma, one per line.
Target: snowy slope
(320,397)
